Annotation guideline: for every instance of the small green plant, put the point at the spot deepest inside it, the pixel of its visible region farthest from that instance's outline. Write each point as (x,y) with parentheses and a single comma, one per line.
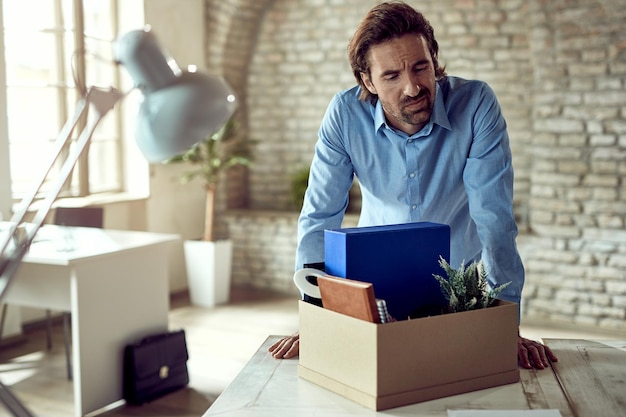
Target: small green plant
(466,288)
(209,158)
(300,182)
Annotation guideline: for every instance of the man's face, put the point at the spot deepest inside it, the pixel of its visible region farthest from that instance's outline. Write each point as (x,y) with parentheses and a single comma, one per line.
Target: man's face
(403,76)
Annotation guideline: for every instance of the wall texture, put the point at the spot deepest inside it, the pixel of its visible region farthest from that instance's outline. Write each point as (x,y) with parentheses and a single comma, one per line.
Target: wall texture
(559,70)
(577,260)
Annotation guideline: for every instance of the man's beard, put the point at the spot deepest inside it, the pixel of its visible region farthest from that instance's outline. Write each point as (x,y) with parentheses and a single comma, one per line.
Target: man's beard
(420,115)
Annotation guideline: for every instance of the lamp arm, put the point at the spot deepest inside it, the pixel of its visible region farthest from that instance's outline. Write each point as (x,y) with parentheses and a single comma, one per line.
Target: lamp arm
(102,101)
(12,403)
(22,235)
(18,217)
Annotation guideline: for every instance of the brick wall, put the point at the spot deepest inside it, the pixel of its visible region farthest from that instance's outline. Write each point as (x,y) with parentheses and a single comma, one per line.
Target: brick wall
(577,258)
(264,245)
(559,70)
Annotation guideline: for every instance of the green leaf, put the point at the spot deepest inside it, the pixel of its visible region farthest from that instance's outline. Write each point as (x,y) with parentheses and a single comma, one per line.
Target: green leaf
(220,151)
(467,288)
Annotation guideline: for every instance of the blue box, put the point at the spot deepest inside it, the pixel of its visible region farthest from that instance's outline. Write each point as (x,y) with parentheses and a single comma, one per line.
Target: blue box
(399,260)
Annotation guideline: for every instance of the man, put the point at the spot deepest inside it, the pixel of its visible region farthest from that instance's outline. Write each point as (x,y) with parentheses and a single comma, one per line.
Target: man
(425,147)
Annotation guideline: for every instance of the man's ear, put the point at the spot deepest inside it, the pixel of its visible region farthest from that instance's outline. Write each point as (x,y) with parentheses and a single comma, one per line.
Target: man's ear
(368,83)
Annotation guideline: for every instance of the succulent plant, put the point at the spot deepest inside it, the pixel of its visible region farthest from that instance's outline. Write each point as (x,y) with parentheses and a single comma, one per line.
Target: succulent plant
(467,288)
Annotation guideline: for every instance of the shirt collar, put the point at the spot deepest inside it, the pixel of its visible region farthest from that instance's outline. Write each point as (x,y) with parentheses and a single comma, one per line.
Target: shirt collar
(439,115)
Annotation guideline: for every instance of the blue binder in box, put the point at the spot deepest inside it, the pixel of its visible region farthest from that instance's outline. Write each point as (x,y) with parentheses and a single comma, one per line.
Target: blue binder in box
(399,260)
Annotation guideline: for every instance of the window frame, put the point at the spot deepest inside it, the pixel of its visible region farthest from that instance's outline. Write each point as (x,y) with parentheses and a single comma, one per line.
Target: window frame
(79,186)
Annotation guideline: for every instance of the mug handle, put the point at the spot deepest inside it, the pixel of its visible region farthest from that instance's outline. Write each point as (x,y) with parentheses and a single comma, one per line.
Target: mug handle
(299,278)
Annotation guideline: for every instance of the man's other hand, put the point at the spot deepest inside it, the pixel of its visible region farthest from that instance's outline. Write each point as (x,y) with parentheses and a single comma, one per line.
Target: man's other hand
(286,348)
(532,354)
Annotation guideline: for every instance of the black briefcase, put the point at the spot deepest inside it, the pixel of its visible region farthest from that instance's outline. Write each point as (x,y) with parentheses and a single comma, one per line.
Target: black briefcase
(155,366)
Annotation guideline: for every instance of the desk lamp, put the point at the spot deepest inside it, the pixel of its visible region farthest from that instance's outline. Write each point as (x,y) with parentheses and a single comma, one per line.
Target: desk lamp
(178,109)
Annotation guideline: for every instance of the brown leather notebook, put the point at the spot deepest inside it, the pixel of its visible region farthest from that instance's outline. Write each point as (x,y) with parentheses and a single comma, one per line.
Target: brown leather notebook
(352,298)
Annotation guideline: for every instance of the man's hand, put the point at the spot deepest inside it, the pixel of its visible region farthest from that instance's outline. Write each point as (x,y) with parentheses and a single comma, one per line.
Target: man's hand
(286,348)
(533,354)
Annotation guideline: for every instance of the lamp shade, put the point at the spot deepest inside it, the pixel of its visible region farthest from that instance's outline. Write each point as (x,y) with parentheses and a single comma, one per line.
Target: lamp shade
(179,108)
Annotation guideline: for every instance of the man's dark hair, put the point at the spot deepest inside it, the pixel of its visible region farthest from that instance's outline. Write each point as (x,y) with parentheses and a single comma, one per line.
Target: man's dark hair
(383,23)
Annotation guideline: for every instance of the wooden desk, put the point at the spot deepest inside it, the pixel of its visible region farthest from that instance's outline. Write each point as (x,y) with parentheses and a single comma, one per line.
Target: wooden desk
(588,380)
(114,283)
(591,375)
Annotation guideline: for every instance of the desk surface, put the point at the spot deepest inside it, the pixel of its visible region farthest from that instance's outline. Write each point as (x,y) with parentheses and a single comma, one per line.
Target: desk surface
(63,245)
(588,380)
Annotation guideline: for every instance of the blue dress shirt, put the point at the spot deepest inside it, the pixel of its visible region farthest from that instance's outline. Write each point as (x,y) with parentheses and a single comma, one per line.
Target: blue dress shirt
(456,170)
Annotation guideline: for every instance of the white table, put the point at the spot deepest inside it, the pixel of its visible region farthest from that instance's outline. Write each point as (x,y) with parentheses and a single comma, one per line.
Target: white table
(114,283)
(585,382)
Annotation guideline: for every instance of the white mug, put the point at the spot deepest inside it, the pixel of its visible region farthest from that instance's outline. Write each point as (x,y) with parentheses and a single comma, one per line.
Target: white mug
(305,287)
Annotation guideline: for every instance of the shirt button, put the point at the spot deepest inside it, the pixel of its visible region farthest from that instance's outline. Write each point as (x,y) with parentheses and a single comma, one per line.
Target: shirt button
(412,175)
(413,207)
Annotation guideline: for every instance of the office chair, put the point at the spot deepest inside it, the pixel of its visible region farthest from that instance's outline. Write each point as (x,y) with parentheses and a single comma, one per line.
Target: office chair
(80,217)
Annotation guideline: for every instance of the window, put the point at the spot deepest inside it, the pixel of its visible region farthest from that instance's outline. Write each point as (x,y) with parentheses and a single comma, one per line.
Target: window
(53,50)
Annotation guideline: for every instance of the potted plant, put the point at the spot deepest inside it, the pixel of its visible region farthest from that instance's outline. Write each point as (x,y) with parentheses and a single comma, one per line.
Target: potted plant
(467,288)
(208,260)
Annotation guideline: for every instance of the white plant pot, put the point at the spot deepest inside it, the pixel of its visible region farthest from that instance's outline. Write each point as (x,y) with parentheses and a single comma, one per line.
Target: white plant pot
(208,271)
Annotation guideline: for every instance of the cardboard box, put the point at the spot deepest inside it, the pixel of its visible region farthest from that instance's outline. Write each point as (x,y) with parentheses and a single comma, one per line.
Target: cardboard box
(398,259)
(388,365)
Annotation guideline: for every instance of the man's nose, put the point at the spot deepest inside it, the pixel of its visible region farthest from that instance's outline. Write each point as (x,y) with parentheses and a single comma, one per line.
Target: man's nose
(411,87)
